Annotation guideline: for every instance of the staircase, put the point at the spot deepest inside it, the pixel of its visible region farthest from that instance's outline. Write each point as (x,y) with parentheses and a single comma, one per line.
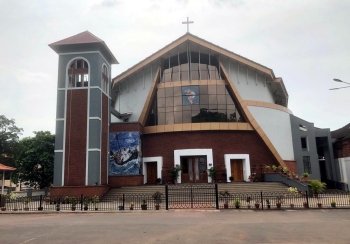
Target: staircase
(231,187)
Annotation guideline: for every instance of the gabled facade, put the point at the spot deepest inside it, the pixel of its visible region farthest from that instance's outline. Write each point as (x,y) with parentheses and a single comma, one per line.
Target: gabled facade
(191,104)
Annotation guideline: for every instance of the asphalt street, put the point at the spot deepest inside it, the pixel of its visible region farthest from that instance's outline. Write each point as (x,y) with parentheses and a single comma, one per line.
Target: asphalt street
(230,226)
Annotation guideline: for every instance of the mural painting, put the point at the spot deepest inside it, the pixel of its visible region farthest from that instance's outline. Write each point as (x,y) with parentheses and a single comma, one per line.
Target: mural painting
(190,95)
(125,158)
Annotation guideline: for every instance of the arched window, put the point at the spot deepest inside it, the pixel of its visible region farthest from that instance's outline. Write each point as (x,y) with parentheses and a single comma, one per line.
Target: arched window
(78,73)
(105,79)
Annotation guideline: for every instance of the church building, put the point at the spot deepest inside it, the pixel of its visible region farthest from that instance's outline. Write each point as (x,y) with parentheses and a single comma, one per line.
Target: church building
(191,104)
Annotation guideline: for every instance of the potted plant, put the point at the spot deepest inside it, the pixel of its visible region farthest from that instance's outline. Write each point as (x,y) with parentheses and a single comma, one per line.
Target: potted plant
(144,204)
(131,206)
(274,168)
(267,168)
(3,202)
(73,202)
(317,187)
(279,201)
(225,195)
(231,178)
(121,203)
(333,203)
(305,176)
(157,197)
(95,200)
(293,193)
(285,170)
(65,200)
(212,173)
(13,199)
(174,172)
(268,203)
(279,168)
(159,180)
(305,205)
(257,204)
(26,202)
(237,202)
(252,177)
(86,202)
(319,205)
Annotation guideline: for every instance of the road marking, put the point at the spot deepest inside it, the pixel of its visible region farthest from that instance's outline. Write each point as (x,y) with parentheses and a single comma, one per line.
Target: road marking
(34,238)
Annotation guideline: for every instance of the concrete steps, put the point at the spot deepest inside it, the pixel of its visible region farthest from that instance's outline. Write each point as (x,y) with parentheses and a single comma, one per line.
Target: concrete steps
(231,187)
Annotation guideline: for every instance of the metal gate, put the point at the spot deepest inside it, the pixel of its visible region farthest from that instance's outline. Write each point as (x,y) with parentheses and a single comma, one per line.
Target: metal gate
(192,196)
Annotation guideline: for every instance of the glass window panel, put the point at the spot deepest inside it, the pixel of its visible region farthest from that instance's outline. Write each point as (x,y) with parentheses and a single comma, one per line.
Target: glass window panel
(178,108)
(177,91)
(204,106)
(169,109)
(178,117)
(213,106)
(161,110)
(186,108)
(194,72)
(203,90)
(161,93)
(213,115)
(221,99)
(169,118)
(212,89)
(161,102)
(222,115)
(204,99)
(220,89)
(169,101)
(213,99)
(177,101)
(231,107)
(221,106)
(161,118)
(184,71)
(167,75)
(176,73)
(229,99)
(169,92)
(213,71)
(203,69)
(195,107)
(186,116)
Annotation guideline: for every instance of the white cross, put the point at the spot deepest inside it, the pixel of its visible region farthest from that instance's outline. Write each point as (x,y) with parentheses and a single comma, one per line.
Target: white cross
(188,23)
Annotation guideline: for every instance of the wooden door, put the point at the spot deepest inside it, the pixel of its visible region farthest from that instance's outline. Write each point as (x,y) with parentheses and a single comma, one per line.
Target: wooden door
(152,173)
(194,169)
(237,169)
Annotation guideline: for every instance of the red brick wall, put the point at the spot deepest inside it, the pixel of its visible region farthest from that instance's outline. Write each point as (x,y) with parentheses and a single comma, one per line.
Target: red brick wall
(88,191)
(104,139)
(76,126)
(120,127)
(222,142)
(125,180)
(292,166)
(342,148)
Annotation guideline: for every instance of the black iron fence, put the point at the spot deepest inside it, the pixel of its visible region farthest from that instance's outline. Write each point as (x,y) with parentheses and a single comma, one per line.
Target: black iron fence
(205,196)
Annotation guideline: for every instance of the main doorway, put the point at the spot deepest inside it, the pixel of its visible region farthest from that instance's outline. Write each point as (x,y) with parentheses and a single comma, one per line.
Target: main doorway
(194,169)
(151,173)
(237,169)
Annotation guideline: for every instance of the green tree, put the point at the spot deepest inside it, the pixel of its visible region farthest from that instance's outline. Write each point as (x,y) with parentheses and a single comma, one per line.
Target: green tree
(35,159)
(9,137)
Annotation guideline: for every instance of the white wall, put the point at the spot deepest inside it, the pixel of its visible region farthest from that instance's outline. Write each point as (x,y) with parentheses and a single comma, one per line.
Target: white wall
(276,125)
(251,87)
(133,93)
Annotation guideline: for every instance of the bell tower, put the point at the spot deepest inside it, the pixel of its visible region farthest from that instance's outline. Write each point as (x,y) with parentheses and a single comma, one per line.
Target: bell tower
(83,111)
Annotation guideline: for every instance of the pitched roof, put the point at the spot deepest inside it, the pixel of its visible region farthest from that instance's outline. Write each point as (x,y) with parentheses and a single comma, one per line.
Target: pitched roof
(6,168)
(341,133)
(85,37)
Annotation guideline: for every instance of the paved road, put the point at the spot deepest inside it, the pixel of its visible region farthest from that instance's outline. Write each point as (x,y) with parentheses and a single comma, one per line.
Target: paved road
(242,226)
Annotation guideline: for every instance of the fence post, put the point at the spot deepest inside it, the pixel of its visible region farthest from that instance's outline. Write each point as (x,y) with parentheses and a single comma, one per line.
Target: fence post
(307,199)
(81,202)
(40,208)
(262,200)
(166,197)
(216,196)
(123,201)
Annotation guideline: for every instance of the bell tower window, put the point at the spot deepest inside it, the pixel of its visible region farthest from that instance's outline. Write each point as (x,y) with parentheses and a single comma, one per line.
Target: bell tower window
(78,73)
(105,79)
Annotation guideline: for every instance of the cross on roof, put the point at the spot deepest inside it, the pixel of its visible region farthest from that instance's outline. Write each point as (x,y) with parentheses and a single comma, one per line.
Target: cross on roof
(188,23)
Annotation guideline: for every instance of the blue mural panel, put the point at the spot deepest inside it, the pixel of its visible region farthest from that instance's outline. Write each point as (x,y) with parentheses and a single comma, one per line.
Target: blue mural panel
(125,158)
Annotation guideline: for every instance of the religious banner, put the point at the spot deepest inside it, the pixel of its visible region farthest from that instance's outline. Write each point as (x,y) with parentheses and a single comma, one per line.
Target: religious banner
(125,158)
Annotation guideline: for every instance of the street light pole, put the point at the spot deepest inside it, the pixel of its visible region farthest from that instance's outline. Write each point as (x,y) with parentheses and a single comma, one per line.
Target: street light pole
(337,80)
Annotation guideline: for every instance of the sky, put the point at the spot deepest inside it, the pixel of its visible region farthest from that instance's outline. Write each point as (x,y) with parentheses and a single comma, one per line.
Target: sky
(304,42)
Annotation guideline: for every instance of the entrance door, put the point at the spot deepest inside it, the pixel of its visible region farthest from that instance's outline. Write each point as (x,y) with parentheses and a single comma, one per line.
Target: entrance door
(152,173)
(194,169)
(237,169)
